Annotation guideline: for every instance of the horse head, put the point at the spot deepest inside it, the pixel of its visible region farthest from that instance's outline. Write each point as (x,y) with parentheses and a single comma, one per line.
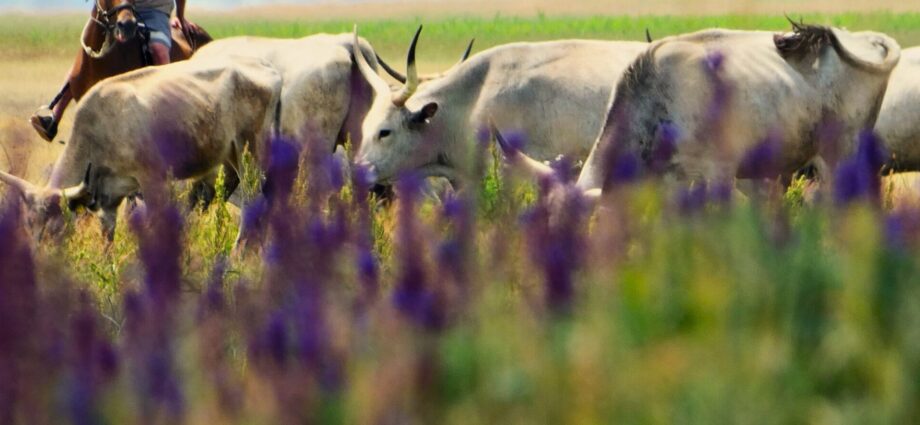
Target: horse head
(123,14)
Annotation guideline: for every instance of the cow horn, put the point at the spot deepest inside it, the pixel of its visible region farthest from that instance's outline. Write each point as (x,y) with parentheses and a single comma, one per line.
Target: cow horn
(469,49)
(592,196)
(19,184)
(389,69)
(381,88)
(516,157)
(75,192)
(81,189)
(400,98)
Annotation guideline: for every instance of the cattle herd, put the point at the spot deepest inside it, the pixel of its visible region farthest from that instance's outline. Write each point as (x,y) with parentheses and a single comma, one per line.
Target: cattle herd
(587,100)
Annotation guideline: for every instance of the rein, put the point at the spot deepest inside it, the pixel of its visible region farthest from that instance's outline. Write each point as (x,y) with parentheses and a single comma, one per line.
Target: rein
(107,27)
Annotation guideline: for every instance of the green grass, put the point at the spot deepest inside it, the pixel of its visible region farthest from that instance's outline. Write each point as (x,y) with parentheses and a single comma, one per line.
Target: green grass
(444,38)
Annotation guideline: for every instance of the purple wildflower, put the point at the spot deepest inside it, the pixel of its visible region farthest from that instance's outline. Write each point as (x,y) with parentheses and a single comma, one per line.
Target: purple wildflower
(665,148)
(713,125)
(484,136)
(281,172)
(902,228)
(624,169)
(18,308)
(761,162)
(276,339)
(412,296)
(859,177)
(511,143)
(691,199)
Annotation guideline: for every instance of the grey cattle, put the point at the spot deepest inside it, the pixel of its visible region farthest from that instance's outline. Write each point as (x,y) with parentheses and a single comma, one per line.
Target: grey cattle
(323,96)
(781,86)
(190,117)
(554,92)
(899,120)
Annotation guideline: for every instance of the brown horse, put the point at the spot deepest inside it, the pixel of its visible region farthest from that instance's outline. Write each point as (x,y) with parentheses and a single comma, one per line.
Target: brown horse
(112,44)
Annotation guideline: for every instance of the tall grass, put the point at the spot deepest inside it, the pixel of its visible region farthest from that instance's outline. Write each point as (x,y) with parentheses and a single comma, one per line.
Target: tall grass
(757,311)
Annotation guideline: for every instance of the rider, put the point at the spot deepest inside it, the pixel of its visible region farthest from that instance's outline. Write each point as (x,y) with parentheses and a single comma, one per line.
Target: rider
(155,14)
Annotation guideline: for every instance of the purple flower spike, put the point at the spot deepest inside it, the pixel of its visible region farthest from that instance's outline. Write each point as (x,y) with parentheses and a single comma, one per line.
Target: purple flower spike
(563,168)
(691,200)
(625,169)
(276,339)
(283,160)
(336,172)
(762,161)
(859,177)
(511,143)
(484,136)
(714,61)
(665,148)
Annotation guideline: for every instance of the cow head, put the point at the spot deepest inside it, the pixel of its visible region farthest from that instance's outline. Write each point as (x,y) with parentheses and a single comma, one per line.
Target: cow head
(45,205)
(100,192)
(396,130)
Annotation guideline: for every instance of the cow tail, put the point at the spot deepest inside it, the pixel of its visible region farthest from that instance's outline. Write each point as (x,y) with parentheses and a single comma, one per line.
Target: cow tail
(276,128)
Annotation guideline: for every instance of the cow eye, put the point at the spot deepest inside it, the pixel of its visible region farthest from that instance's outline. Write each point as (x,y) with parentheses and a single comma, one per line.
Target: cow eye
(384,134)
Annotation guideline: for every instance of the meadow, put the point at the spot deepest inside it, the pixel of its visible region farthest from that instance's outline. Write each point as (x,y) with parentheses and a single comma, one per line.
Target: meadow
(668,304)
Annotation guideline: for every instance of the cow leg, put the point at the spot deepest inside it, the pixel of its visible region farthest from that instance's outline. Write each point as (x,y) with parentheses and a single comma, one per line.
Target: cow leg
(205,190)
(108,217)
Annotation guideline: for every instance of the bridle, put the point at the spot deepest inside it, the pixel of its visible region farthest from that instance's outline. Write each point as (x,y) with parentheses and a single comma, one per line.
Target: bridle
(104,19)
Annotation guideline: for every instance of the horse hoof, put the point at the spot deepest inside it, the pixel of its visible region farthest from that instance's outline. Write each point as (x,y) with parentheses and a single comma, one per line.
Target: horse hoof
(44,126)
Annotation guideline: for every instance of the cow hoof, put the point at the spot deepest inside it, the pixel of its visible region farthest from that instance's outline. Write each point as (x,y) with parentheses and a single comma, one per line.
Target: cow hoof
(45,127)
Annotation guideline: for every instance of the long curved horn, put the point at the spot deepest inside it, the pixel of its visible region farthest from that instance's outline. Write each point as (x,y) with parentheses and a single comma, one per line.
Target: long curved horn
(463,58)
(400,98)
(17,183)
(381,88)
(389,69)
(402,78)
(469,49)
(516,157)
(81,189)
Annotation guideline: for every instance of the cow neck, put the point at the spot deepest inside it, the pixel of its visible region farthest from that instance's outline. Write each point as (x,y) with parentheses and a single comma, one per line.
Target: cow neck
(456,95)
(67,170)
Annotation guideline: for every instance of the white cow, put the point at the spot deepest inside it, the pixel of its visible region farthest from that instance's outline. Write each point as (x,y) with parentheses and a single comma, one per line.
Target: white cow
(189,117)
(554,92)
(899,120)
(323,97)
(760,85)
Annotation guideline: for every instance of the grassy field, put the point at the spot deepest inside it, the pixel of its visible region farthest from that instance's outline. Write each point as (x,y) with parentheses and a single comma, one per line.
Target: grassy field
(36,52)
(670,304)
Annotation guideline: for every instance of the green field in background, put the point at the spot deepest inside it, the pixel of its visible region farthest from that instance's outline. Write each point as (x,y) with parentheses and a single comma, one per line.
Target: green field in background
(25,36)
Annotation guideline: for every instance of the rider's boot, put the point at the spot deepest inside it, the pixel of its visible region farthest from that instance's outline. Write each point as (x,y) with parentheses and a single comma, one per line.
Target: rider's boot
(46,126)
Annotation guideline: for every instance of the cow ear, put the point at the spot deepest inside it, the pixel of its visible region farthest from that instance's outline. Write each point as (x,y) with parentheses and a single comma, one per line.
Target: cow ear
(426,113)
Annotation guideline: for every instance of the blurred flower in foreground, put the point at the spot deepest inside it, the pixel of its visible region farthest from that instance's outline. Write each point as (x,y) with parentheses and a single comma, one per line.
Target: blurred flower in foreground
(412,295)
(858,178)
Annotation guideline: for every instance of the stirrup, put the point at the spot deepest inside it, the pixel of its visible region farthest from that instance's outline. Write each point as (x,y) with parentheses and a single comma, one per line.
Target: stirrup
(44,126)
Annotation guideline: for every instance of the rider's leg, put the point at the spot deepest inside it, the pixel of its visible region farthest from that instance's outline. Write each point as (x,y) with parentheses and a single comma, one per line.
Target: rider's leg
(61,106)
(159,52)
(160,41)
